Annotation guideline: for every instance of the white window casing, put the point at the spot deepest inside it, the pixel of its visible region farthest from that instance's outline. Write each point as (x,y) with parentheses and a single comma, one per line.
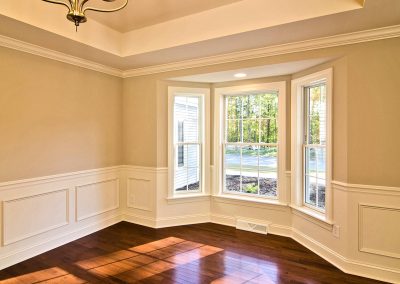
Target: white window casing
(176,130)
(298,125)
(219,139)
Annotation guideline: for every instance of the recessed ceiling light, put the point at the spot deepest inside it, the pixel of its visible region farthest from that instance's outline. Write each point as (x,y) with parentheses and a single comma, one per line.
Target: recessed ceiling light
(240,75)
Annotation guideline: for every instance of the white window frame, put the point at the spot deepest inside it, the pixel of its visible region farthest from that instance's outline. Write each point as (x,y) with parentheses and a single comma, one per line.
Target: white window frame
(219,136)
(297,133)
(204,94)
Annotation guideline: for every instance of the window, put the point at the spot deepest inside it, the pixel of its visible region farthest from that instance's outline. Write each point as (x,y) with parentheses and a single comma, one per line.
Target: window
(314,145)
(181,153)
(250,140)
(251,144)
(311,142)
(187,131)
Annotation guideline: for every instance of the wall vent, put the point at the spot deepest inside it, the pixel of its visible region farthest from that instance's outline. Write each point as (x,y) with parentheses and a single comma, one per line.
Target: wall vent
(251,226)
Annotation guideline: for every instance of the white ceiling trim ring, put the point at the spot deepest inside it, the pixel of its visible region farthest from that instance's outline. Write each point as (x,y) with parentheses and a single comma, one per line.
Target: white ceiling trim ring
(324,42)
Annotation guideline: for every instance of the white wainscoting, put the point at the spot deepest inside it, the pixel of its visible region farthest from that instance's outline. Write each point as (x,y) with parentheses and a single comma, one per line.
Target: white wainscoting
(96,198)
(42,213)
(33,215)
(378,232)
(140,194)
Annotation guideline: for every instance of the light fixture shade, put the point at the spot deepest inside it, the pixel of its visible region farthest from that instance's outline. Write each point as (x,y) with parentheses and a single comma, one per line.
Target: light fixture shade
(78,8)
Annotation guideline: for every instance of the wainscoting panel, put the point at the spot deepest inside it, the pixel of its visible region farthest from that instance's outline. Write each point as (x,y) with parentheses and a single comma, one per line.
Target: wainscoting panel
(140,194)
(378,233)
(32,215)
(96,198)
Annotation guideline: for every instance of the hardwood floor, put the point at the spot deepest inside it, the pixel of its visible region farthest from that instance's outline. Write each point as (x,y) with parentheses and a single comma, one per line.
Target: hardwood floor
(202,253)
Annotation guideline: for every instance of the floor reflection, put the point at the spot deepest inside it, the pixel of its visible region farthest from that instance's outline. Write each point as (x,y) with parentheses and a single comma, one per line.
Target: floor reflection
(51,275)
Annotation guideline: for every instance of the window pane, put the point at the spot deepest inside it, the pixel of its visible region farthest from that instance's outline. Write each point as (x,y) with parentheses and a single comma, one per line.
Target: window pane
(250,106)
(234,107)
(269,106)
(180,178)
(317,115)
(250,131)
(187,115)
(268,171)
(234,131)
(321,183)
(250,169)
(269,131)
(191,133)
(311,162)
(310,192)
(321,163)
(232,168)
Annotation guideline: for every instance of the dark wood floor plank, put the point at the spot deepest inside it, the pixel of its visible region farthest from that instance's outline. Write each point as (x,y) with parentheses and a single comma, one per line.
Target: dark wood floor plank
(201,253)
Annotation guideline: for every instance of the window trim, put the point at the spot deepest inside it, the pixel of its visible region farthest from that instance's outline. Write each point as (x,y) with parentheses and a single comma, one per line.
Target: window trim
(219,136)
(204,93)
(297,158)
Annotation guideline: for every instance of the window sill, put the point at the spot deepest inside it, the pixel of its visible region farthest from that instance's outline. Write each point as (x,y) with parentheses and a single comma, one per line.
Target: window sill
(245,200)
(312,216)
(186,198)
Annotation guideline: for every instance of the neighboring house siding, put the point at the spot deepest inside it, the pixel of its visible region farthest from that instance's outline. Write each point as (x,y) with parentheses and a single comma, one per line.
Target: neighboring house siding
(189,172)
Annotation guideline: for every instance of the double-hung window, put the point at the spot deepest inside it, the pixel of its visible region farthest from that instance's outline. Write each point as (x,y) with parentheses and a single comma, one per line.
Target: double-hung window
(251,140)
(311,144)
(187,141)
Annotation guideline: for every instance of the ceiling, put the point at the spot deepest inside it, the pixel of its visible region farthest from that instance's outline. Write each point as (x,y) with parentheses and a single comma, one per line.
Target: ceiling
(254,72)
(142,13)
(159,32)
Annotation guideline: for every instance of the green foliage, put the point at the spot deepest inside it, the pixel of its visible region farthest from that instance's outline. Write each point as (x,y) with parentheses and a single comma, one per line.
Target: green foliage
(252,118)
(251,188)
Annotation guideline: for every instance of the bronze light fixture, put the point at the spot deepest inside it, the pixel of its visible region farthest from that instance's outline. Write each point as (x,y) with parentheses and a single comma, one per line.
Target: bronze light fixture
(77,9)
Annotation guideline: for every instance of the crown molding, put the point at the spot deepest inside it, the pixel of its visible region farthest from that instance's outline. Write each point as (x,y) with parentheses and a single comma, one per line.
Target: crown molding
(324,42)
(58,56)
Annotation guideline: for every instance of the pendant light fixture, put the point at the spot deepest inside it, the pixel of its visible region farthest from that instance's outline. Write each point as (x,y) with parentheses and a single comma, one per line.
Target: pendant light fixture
(78,8)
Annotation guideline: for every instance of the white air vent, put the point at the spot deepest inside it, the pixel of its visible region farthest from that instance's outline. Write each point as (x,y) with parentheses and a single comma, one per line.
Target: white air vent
(251,226)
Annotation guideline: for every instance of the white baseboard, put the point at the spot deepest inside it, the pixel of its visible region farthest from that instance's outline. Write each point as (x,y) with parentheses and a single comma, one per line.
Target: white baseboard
(140,220)
(52,243)
(182,220)
(345,264)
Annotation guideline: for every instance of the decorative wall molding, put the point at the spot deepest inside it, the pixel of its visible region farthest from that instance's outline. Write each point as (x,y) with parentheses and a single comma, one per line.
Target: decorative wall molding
(110,200)
(363,188)
(319,43)
(345,264)
(139,195)
(22,253)
(56,178)
(47,218)
(387,235)
(58,56)
(21,249)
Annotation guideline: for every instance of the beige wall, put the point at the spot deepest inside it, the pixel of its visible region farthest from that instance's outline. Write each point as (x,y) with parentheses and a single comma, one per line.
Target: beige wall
(374,113)
(365,117)
(56,118)
(48,126)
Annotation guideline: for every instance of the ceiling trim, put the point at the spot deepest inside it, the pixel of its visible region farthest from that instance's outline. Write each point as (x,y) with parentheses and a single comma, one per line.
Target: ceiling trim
(324,42)
(58,56)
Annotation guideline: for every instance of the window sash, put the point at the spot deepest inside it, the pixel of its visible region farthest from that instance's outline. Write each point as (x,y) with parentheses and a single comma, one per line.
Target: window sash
(241,144)
(180,143)
(306,145)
